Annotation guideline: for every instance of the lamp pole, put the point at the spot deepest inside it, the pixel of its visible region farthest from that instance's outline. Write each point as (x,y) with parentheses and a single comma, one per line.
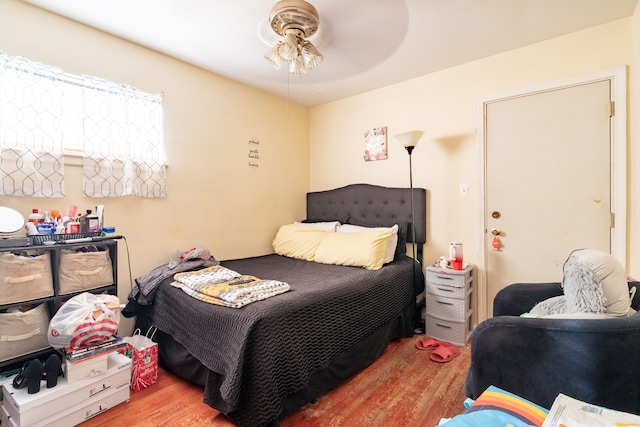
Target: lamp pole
(413,228)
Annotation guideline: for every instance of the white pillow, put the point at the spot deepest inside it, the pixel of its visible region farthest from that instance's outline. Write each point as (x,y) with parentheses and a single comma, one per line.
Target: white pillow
(327,226)
(392,241)
(587,268)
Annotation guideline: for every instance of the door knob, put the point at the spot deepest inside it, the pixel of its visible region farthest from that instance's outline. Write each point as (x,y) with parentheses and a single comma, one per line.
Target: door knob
(495,231)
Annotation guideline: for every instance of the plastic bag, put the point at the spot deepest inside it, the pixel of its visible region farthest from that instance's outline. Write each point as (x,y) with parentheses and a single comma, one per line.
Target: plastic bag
(83,320)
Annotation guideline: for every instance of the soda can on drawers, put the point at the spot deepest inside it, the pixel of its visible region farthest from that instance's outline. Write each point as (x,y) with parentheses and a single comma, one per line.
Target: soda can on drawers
(25,277)
(80,271)
(23,332)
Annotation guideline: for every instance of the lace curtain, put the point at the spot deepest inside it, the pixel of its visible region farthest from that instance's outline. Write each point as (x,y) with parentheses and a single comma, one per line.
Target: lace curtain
(31,152)
(123,151)
(44,111)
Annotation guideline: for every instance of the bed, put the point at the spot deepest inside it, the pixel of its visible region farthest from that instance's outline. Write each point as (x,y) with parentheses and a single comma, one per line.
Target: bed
(267,359)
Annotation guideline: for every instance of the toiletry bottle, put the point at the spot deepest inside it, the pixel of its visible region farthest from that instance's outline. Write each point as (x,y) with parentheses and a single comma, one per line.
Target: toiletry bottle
(35,217)
(89,223)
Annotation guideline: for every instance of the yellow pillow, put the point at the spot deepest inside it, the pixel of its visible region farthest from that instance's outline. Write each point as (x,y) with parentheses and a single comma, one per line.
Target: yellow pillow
(297,241)
(364,249)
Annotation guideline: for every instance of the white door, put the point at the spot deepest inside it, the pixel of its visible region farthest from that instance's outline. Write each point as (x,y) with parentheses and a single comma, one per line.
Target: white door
(547,182)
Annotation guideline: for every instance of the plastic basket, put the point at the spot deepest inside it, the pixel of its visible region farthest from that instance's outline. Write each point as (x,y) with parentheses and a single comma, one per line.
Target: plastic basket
(38,239)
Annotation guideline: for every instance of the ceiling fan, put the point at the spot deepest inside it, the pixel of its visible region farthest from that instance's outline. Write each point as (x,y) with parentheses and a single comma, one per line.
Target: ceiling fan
(295,21)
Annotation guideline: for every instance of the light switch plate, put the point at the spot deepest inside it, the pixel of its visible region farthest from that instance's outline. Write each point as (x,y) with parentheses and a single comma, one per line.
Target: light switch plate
(464,190)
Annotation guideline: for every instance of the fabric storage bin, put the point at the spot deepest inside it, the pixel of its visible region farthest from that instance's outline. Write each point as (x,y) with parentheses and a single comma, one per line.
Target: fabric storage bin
(24,278)
(23,332)
(80,271)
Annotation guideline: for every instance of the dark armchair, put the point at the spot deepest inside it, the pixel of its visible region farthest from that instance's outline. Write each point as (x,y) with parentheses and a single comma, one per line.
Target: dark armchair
(593,360)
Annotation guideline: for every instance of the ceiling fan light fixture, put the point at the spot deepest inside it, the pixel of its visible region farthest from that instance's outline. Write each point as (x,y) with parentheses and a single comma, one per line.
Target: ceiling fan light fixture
(273,57)
(296,66)
(289,47)
(312,58)
(294,20)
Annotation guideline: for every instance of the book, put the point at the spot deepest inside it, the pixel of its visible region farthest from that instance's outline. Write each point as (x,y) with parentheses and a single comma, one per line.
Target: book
(77,354)
(567,411)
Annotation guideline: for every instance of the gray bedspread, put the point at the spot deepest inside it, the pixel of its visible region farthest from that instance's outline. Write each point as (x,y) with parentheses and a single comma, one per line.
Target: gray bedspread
(267,349)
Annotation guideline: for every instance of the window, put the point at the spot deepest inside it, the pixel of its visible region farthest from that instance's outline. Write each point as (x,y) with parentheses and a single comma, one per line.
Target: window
(46,113)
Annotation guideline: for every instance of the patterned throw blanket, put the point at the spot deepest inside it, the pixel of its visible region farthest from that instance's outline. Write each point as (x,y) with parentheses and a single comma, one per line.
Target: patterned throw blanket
(222,286)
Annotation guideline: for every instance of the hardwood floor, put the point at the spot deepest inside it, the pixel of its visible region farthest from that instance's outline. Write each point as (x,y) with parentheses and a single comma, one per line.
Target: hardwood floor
(401,388)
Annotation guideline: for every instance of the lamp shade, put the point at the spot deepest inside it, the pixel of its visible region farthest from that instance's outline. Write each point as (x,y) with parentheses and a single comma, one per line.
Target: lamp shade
(409,139)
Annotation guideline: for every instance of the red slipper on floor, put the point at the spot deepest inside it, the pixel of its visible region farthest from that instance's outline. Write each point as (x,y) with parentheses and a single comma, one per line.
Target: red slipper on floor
(428,343)
(444,354)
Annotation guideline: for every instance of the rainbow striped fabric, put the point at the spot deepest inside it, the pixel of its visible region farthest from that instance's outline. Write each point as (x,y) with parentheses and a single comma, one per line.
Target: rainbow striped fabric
(499,408)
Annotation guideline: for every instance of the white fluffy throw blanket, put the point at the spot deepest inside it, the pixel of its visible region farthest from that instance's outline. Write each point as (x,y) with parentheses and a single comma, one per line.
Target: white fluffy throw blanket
(593,282)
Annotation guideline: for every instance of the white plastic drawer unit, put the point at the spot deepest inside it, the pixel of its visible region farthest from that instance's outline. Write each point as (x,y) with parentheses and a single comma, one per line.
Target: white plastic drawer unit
(449,303)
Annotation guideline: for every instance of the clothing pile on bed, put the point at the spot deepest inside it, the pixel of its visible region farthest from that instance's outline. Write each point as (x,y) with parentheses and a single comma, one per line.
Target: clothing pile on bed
(222,286)
(146,285)
(201,276)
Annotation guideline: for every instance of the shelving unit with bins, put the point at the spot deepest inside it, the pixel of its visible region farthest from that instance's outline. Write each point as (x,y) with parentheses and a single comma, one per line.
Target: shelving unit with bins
(55,299)
(449,306)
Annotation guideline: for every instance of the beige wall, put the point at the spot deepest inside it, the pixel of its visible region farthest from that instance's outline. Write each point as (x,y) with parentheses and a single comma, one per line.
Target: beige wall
(214,198)
(446,106)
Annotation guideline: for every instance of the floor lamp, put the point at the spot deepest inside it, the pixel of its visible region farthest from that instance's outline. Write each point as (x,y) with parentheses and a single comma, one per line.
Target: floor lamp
(409,140)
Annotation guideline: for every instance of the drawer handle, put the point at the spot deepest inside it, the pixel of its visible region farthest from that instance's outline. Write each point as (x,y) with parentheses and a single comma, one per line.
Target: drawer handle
(445,277)
(22,279)
(444,302)
(445,289)
(443,326)
(88,272)
(9,338)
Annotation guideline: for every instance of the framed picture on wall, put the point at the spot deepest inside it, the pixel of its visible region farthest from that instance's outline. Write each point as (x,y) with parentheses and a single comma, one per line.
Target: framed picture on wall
(375,144)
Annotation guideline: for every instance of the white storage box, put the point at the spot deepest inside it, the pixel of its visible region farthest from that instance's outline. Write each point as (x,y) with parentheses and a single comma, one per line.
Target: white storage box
(24,278)
(4,417)
(86,368)
(80,412)
(23,332)
(51,405)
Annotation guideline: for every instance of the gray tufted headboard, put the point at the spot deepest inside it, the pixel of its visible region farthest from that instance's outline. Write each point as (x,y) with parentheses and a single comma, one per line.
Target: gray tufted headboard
(371,204)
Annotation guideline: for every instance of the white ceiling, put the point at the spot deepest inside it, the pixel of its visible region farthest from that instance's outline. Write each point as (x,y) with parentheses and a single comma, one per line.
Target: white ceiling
(367,44)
